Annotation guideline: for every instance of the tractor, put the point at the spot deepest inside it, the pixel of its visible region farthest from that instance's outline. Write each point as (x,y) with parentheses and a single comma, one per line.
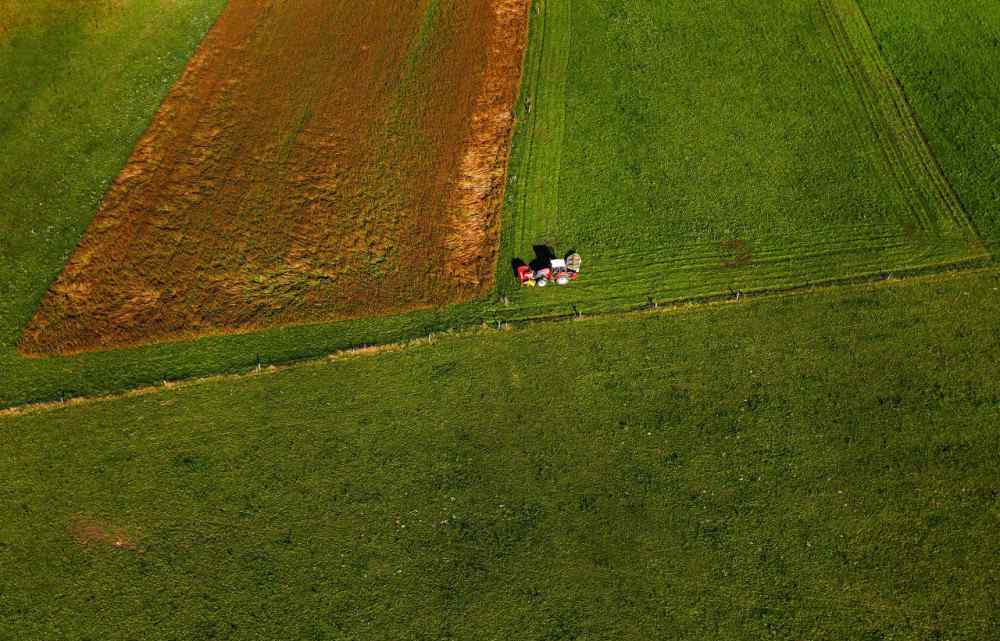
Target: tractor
(561,271)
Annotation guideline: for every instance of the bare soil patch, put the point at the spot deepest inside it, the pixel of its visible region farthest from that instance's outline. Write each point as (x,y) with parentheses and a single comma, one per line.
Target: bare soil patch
(89,532)
(736,253)
(318,160)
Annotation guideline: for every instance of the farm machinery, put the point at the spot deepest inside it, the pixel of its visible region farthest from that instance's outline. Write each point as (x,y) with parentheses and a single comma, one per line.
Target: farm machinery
(561,271)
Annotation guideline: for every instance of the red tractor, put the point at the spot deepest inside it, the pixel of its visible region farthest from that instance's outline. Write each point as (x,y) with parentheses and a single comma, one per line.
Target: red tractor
(561,271)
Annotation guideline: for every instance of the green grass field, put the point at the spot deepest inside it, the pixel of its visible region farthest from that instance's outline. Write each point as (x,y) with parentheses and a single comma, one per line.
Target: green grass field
(815,466)
(809,467)
(686,151)
(946,58)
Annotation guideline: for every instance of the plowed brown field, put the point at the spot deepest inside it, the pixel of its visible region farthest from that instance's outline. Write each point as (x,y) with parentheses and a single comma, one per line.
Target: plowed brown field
(318,160)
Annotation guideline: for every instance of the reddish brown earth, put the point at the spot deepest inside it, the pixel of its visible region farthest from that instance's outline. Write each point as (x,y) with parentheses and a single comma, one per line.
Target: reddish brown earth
(318,160)
(89,532)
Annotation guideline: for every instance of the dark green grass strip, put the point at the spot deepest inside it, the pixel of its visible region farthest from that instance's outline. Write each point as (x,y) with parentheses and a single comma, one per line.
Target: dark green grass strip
(532,199)
(811,467)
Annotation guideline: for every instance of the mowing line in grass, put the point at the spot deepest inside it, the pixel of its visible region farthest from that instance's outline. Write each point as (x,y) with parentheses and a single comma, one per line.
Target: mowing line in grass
(934,203)
(544,102)
(948,61)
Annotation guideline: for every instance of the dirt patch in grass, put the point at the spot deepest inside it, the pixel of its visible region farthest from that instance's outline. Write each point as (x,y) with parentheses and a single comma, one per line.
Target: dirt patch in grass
(89,532)
(736,253)
(316,161)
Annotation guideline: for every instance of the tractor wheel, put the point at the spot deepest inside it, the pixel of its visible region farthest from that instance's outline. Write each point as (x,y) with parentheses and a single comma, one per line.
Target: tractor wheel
(563,280)
(542,282)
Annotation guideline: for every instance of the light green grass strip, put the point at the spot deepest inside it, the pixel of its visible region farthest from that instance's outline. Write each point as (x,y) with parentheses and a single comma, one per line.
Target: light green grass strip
(544,104)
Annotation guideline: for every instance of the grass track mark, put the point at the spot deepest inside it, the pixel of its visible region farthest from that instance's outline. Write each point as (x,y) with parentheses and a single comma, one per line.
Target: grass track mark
(933,202)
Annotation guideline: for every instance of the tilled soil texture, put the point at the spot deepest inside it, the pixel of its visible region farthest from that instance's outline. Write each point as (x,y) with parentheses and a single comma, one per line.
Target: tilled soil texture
(318,160)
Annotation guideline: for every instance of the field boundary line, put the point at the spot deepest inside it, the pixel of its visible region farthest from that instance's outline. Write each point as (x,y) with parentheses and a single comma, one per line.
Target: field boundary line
(980,265)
